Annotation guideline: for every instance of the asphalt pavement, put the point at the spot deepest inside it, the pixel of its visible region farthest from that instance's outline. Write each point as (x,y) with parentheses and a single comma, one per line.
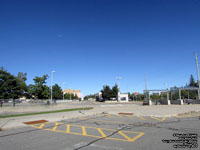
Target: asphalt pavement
(106,132)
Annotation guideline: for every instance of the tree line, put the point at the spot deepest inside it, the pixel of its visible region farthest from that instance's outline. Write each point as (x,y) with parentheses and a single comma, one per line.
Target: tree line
(111,93)
(15,87)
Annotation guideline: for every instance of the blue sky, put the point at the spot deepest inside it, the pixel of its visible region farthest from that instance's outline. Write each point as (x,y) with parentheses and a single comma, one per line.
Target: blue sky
(90,42)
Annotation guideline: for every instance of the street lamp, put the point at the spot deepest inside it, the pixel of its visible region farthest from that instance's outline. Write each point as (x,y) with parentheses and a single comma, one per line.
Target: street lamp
(63,89)
(118,79)
(70,93)
(52,84)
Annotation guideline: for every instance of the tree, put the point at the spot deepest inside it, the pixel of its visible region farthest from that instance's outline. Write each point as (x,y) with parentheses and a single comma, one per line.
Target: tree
(192,81)
(39,90)
(11,87)
(106,92)
(155,96)
(115,91)
(57,92)
(89,96)
(67,96)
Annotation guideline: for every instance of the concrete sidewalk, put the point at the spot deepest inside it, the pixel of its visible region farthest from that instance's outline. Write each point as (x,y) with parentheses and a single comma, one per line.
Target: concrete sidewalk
(155,110)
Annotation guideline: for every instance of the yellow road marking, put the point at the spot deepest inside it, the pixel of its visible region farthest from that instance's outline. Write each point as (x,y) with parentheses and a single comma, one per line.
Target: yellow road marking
(42,125)
(56,125)
(108,115)
(84,133)
(138,136)
(158,118)
(140,117)
(101,132)
(83,130)
(120,116)
(68,128)
(124,135)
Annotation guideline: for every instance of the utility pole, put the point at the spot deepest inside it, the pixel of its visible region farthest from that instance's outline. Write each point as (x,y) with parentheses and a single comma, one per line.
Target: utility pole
(52,85)
(198,74)
(145,80)
(63,90)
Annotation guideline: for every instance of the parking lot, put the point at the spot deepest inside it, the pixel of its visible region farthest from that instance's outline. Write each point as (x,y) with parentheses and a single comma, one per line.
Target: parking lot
(104,131)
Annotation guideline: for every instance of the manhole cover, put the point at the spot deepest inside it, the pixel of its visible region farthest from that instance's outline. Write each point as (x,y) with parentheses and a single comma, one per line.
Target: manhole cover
(35,122)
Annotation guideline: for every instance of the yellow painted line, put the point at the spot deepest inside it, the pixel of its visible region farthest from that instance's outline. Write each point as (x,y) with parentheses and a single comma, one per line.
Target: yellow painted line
(68,128)
(108,115)
(83,130)
(140,117)
(120,116)
(41,126)
(158,119)
(56,125)
(127,139)
(138,136)
(124,135)
(101,132)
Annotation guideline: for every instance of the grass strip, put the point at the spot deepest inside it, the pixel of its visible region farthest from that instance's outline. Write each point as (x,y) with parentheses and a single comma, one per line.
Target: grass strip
(45,112)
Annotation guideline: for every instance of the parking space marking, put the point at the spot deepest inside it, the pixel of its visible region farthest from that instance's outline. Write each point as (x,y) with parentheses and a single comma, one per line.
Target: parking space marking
(42,125)
(121,134)
(101,132)
(133,117)
(140,117)
(162,119)
(68,128)
(83,130)
(55,127)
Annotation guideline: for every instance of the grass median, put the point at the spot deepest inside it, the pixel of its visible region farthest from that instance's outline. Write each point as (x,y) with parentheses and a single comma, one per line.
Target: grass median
(45,112)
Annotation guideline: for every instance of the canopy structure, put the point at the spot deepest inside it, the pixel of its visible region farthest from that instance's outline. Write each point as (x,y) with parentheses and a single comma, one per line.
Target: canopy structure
(148,99)
(187,89)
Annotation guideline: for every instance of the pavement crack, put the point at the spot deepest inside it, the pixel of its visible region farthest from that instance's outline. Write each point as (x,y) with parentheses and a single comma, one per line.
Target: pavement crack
(92,142)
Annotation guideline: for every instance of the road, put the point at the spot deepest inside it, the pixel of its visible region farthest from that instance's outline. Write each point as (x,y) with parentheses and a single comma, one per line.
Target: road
(104,132)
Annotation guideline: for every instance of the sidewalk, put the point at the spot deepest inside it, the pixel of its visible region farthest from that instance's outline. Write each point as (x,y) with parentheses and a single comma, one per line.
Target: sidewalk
(155,110)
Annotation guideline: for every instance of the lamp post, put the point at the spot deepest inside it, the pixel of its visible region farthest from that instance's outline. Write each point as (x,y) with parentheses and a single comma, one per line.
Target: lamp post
(197,64)
(52,85)
(70,93)
(63,90)
(118,94)
(118,79)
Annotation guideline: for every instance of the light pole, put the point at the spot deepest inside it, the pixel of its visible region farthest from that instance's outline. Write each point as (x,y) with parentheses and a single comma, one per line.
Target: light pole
(197,64)
(52,85)
(118,79)
(118,94)
(70,93)
(63,90)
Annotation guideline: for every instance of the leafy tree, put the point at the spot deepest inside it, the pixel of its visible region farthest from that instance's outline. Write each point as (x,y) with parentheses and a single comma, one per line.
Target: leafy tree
(89,96)
(39,90)
(155,96)
(57,92)
(140,97)
(76,97)
(115,91)
(106,92)
(11,87)
(67,96)
(192,81)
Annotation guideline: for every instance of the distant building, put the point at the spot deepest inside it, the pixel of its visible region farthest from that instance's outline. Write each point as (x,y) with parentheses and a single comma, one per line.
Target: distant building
(74,92)
(121,97)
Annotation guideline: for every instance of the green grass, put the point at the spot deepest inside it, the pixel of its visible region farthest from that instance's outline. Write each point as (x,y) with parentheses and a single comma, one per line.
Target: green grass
(45,112)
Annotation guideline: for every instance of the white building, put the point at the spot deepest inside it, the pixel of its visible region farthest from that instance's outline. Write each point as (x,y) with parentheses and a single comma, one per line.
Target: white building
(121,97)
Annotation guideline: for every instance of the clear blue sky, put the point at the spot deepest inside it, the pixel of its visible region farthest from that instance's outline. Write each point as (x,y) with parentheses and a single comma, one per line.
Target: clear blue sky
(90,42)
